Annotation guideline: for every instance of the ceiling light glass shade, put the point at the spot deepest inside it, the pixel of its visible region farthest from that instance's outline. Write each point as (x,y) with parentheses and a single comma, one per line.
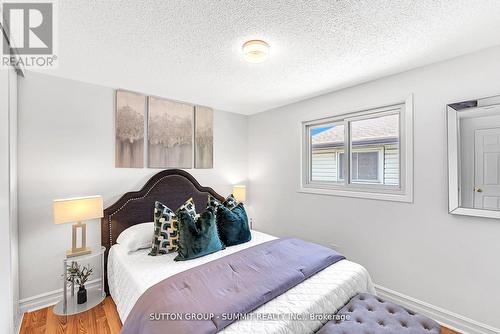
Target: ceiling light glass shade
(255,51)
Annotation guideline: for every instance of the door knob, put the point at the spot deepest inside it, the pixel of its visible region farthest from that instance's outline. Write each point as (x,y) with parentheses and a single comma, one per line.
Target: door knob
(478,190)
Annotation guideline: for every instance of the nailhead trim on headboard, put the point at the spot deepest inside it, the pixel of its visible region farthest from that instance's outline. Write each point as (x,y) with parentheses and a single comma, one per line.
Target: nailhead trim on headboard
(129,200)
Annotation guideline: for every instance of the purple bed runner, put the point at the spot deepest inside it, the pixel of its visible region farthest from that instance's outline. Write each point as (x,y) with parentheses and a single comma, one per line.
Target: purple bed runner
(205,299)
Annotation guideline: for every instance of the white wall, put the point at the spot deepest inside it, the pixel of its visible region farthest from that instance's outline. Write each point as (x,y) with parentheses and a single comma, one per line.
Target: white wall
(66,149)
(416,249)
(9,294)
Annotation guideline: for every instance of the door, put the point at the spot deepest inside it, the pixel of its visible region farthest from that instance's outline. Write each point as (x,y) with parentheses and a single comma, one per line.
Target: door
(487,169)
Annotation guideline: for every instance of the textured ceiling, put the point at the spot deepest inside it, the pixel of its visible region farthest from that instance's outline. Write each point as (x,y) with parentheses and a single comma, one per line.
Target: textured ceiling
(191,50)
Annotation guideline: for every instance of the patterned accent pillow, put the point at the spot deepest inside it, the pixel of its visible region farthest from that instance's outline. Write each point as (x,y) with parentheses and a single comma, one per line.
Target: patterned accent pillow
(165,225)
(166,234)
(173,235)
(230,202)
(189,207)
(213,203)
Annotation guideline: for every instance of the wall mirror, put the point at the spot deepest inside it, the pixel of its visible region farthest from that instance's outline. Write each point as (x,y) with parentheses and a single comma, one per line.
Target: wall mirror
(474,157)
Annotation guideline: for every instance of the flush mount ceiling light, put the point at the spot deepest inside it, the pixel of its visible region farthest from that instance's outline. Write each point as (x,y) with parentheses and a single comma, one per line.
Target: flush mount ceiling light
(255,51)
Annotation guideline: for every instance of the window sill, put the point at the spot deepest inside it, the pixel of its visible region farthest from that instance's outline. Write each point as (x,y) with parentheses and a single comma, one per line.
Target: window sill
(381,196)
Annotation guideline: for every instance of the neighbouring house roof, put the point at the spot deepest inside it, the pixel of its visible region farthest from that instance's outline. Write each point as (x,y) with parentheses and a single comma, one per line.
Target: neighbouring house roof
(380,130)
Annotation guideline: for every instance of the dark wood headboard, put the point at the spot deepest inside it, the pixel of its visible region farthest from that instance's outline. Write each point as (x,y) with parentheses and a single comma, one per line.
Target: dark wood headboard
(172,187)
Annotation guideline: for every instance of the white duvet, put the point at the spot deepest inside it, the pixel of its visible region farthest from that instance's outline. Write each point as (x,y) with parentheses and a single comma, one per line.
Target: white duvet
(130,274)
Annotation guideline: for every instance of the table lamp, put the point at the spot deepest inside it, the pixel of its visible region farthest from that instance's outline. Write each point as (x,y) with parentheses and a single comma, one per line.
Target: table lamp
(76,210)
(240,193)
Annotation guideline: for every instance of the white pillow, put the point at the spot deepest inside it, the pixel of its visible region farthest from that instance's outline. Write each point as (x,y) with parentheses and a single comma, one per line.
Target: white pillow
(136,237)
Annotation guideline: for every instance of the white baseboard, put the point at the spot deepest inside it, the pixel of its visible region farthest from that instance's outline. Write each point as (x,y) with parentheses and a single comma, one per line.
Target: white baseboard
(446,318)
(40,301)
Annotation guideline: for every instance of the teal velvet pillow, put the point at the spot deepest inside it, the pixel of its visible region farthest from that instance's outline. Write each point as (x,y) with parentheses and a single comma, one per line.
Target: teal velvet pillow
(198,236)
(233,225)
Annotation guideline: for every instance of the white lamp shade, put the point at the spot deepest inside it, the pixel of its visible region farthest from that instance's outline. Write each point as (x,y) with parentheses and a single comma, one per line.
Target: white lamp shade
(240,193)
(77,209)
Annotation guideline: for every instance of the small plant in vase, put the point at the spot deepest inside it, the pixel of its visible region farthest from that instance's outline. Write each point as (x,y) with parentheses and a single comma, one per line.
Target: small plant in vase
(79,275)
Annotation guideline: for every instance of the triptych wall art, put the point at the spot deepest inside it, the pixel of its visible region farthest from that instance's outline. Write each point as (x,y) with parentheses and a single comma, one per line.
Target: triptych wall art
(179,135)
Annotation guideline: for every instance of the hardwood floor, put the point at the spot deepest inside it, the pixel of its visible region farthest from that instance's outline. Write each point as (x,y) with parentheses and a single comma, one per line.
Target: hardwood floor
(102,319)
(445,330)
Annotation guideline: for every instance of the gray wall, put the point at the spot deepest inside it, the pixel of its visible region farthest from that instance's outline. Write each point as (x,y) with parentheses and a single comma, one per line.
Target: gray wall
(416,249)
(9,295)
(66,149)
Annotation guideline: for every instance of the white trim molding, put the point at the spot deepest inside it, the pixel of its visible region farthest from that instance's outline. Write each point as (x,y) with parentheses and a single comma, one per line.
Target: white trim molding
(444,317)
(50,298)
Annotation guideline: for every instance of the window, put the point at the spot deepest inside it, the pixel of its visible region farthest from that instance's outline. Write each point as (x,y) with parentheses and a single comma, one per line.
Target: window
(363,154)
(366,166)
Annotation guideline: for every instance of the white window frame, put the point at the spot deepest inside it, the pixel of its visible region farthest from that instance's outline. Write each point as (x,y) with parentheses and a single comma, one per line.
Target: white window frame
(401,193)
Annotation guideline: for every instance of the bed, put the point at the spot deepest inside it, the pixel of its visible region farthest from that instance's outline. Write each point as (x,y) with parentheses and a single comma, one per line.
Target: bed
(129,275)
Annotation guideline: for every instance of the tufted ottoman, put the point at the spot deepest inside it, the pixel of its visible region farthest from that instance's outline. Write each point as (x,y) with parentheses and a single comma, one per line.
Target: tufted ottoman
(369,314)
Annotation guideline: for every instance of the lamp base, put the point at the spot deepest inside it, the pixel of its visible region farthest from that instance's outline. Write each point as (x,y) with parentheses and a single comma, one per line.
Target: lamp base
(78,252)
(83,249)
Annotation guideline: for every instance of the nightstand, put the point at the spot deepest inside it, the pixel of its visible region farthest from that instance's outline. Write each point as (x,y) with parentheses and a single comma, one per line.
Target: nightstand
(95,287)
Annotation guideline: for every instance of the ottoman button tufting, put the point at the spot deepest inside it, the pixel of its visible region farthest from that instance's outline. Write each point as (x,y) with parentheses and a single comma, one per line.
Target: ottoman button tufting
(375,315)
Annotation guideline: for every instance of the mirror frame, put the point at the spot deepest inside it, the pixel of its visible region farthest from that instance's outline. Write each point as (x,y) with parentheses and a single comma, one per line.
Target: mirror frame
(452,117)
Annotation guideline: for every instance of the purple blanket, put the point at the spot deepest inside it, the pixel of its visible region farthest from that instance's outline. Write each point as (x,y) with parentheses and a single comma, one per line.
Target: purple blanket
(235,284)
